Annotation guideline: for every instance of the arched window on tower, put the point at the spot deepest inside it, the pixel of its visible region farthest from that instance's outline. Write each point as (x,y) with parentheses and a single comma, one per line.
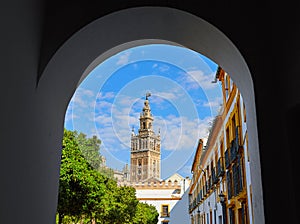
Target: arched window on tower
(139,172)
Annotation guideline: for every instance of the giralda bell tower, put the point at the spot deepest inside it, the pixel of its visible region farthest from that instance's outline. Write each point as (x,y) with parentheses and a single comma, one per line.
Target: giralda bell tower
(145,148)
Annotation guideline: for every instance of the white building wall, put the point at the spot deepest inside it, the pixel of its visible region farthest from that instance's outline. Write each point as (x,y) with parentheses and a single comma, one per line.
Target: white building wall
(179,213)
(157,198)
(210,204)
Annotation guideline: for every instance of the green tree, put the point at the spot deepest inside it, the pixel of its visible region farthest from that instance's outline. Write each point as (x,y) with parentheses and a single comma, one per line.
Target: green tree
(83,190)
(87,196)
(72,192)
(90,148)
(108,172)
(123,206)
(145,214)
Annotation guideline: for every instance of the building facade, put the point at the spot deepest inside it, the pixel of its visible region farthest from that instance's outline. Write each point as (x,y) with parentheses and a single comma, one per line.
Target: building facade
(164,195)
(145,148)
(220,192)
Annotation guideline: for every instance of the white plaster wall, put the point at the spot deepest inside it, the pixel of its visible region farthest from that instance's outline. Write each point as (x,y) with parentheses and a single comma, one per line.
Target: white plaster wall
(209,204)
(157,194)
(179,213)
(154,193)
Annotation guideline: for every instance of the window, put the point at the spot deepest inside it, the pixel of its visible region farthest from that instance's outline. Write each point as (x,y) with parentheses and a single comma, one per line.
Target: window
(165,211)
(140,169)
(176,191)
(226,86)
(220,219)
(233,126)
(231,216)
(227,138)
(221,147)
(244,112)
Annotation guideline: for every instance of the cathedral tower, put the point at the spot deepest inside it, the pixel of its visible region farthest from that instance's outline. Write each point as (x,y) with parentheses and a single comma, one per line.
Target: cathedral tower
(145,148)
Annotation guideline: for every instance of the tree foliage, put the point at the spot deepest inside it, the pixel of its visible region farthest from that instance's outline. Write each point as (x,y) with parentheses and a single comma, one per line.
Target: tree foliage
(80,186)
(88,196)
(145,214)
(71,190)
(90,148)
(123,207)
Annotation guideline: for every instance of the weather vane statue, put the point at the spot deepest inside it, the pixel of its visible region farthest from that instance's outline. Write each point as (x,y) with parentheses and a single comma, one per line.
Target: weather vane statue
(147,95)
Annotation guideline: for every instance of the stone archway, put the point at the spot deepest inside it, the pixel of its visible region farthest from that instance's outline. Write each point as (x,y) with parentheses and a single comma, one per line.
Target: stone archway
(127,28)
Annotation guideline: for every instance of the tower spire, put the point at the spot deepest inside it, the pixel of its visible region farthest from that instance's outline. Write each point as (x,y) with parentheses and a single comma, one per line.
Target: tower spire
(145,148)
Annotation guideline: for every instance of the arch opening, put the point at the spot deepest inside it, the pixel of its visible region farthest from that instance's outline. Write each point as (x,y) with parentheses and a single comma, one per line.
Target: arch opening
(159,25)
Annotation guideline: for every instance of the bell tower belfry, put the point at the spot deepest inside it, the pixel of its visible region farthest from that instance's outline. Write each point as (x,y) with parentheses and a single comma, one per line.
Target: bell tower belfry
(145,148)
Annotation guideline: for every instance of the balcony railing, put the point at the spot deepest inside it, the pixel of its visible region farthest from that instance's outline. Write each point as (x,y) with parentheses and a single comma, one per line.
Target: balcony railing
(237,177)
(229,184)
(220,167)
(227,158)
(233,150)
(214,177)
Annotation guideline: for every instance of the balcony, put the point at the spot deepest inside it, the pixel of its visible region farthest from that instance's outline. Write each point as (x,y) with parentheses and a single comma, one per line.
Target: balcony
(214,177)
(233,150)
(227,158)
(237,179)
(220,167)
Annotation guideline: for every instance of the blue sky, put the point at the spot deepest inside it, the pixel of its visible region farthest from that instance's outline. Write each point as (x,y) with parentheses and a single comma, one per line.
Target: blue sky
(183,102)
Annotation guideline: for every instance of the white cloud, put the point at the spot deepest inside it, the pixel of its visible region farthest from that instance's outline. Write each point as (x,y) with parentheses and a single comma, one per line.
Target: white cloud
(106,95)
(172,95)
(104,120)
(116,120)
(154,65)
(123,58)
(87,92)
(182,133)
(163,68)
(198,79)
(69,116)
(103,106)
(82,98)
(216,102)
